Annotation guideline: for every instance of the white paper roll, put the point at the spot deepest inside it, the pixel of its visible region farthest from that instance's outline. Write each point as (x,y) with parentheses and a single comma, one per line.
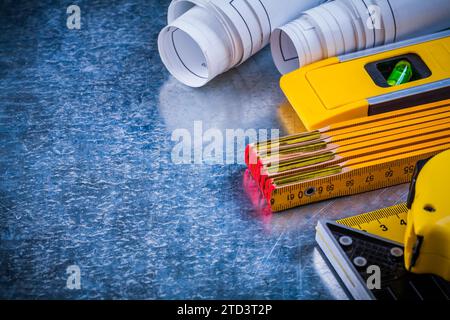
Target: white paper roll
(205,38)
(344,26)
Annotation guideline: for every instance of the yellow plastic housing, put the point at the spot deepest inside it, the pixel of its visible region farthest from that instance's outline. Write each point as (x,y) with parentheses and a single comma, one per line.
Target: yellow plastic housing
(332,90)
(427,236)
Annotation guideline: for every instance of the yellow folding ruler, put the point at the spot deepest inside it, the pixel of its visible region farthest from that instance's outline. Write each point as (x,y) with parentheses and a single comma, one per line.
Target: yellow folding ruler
(350,157)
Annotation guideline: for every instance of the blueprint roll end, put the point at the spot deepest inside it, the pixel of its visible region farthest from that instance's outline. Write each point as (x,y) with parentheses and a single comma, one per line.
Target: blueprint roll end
(295,44)
(190,69)
(284,53)
(193,47)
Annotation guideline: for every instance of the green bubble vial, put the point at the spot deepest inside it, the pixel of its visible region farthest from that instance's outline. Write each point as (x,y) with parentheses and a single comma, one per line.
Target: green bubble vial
(402,73)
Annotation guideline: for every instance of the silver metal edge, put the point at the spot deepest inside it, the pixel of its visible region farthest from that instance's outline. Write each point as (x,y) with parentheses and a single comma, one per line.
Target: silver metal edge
(392,46)
(330,247)
(409,91)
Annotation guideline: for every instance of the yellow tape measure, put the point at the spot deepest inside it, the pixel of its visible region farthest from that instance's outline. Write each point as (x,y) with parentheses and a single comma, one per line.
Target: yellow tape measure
(366,178)
(389,223)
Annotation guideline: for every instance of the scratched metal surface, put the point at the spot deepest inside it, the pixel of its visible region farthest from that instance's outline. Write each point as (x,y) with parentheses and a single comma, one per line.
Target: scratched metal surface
(86,176)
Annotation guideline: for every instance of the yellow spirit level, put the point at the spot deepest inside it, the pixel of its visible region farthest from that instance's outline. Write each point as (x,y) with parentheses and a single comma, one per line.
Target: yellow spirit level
(356,85)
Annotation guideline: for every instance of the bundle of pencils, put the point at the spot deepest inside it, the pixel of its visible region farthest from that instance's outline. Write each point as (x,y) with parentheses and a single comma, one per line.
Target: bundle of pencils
(348,157)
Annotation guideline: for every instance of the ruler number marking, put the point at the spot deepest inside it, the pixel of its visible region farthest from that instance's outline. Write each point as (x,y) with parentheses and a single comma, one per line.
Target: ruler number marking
(409,169)
(389,174)
(370,178)
(352,182)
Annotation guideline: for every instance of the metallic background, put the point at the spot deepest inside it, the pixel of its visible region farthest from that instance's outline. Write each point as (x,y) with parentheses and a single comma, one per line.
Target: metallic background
(86,176)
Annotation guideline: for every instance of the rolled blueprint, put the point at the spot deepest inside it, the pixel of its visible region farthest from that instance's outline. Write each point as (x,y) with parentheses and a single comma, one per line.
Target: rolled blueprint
(205,38)
(344,26)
